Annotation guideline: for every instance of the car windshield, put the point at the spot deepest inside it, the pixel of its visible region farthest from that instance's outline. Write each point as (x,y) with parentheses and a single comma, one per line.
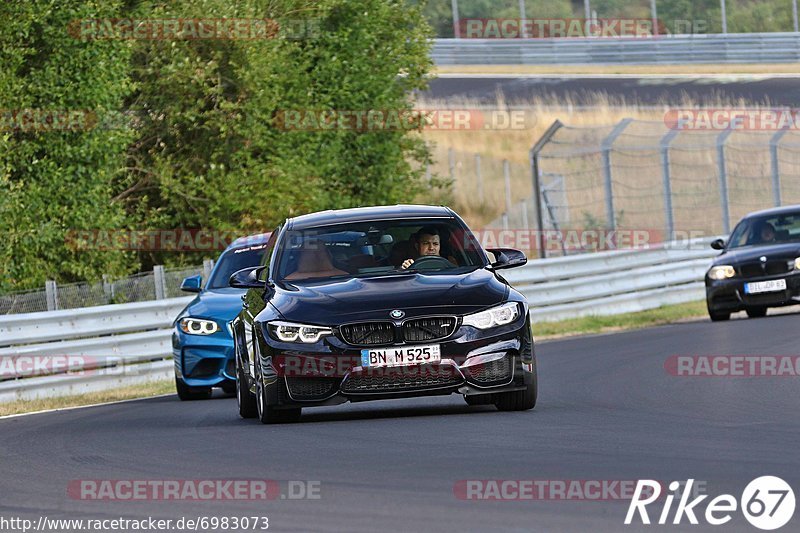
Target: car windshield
(378,248)
(233,260)
(766,230)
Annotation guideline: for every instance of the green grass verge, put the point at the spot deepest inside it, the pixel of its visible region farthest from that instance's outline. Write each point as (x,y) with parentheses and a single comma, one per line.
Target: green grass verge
(145,390)
(603,324)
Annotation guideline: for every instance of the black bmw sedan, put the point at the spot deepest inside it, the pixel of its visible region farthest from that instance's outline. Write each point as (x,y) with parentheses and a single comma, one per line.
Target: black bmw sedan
(759,266)
(377,303)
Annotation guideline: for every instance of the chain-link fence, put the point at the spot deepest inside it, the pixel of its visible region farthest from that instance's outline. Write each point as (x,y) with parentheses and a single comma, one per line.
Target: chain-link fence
(161,283)
(645,176)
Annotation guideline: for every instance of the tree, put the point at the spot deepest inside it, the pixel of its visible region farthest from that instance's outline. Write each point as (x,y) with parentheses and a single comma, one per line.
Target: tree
(55,179)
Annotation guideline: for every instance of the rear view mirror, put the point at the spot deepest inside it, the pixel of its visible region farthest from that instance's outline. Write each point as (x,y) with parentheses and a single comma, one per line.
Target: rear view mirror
(507,258)
(192,283)
(247,278)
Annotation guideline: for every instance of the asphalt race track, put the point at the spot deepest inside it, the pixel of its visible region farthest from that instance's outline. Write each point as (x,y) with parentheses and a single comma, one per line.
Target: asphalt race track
(607,410)
(646,90)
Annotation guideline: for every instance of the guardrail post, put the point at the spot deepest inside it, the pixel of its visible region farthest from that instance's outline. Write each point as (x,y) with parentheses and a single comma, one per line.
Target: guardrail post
(776,170)
(665,175)
(507,179)
(51,295)
(537,188)
(723,180)
(606,146)
(158,280)
(479,177)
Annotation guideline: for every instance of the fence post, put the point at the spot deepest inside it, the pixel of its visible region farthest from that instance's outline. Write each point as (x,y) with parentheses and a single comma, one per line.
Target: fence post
(524,208)
(108,289)
(665,175)
(723,180)
(507,179)
(208,264)
(479,177)
(51,295)
(776,169)
(456,19)
(451,159)
(606,146)
(535,175)
(158,280)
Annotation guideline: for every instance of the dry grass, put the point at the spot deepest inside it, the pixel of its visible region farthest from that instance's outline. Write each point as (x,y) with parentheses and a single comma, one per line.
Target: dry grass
(636,171)
(702,69)
(145,390)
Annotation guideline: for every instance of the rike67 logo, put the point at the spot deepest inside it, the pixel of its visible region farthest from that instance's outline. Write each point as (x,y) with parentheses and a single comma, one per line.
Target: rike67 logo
(767,503)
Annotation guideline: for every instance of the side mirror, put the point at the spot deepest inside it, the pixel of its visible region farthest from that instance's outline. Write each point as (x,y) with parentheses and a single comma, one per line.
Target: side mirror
(718,244)
(192,283)
(247,278)
(507,258)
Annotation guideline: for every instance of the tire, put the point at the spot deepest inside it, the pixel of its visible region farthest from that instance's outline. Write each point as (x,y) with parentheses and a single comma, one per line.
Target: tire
(521,400)
(718,316)
(187,393)
(270,415)
(756,312)
(244,398)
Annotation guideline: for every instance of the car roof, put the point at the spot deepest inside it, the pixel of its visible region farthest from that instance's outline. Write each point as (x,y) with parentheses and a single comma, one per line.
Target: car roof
(368,214)
(250,240)
(783,210)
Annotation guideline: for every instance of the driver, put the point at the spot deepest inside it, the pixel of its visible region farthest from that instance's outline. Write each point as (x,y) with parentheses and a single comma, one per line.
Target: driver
(426,242)
(767,232)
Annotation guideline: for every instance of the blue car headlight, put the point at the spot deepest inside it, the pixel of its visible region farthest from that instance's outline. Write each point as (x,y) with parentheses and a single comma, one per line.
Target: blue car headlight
(496,316)
(198,326)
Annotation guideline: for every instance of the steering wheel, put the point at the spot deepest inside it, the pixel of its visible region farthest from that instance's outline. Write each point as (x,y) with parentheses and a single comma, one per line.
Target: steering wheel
(431,262)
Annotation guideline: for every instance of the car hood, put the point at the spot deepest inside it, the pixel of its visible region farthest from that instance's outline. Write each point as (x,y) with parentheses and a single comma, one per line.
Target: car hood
(218,304)
(747,254)
(415,294)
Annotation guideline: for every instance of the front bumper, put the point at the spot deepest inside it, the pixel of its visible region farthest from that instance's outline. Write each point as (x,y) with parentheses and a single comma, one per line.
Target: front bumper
(729,294)
(204,360)
(473,362)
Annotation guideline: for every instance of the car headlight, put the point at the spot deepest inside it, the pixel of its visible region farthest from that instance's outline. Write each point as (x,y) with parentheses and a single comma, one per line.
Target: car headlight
(721,272)
(496,316)
(797,263)
(198,326)
(291,332)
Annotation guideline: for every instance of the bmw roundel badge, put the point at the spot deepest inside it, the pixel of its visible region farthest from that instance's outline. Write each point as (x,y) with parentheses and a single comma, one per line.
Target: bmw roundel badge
(397,314)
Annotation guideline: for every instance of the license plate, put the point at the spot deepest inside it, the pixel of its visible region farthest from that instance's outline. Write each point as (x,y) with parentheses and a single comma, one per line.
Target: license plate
(401,356)
(765,286)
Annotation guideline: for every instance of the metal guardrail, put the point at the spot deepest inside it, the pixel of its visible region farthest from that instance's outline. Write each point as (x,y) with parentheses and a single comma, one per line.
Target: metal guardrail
(609,283)
(56,353)
(125,344)
(674,49)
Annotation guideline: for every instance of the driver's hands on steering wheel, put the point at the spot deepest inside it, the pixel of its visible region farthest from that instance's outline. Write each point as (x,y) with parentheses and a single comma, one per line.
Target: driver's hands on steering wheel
(426,259)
